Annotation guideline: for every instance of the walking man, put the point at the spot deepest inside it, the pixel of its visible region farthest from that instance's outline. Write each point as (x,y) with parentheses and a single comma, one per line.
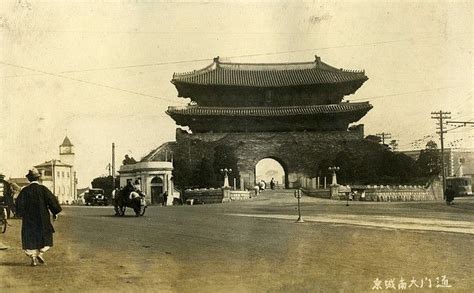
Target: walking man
(33,205)
(449,193)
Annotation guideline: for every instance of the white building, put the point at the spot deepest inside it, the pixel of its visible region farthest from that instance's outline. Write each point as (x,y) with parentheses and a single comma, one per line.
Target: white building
(154,174)
(59,175)
(456,160)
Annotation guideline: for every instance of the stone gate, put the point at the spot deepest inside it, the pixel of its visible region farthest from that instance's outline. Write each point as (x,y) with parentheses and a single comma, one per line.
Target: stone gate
(291,112)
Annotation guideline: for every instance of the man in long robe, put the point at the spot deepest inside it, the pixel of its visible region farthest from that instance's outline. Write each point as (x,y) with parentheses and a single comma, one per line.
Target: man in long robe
(33,205)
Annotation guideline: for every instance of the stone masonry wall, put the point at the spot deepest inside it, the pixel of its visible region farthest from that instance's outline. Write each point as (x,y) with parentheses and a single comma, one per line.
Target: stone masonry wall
(298,152)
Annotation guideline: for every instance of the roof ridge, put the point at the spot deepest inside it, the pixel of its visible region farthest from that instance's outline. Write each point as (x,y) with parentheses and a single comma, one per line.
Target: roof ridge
(263,63)
(189,107)
(278,66)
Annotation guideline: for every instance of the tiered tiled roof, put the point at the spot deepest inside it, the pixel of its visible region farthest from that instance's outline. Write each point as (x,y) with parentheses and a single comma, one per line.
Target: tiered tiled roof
(268,74)
(269,111)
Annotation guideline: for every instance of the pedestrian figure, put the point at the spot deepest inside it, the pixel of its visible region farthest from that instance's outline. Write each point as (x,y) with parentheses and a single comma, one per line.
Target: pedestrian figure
(362,196)
(165,198)
(272,184)
(33,205)
(449,193)
(6,195)
(257,189)
(115,194)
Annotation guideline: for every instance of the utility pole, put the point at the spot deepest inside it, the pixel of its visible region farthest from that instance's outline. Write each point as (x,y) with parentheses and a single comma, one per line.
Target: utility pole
(440,116)
(394,144)
(384,136)
(113,165)
(53,164)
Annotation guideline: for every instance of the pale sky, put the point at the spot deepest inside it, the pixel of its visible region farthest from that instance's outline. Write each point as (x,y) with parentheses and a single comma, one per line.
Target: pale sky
(75,67)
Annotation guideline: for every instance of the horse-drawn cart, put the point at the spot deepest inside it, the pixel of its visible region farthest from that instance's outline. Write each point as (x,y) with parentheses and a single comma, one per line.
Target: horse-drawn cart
(134,200)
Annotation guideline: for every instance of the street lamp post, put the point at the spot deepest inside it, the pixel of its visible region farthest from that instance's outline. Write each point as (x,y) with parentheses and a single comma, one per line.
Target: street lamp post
(225,171)
(298,195)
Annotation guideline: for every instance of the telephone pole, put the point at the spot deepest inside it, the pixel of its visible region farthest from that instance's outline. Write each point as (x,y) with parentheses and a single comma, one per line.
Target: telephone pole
(113,165)
(394,144)
(441,116)
(384,136)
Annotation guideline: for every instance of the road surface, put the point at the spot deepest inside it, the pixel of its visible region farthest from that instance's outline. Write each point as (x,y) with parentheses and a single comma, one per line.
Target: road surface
(252,246)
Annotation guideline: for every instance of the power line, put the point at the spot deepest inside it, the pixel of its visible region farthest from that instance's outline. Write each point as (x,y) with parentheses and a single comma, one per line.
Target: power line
(462,104)
(463,123)
(384,136)
(113,67)
(405,93)
(88,82)
(235,56)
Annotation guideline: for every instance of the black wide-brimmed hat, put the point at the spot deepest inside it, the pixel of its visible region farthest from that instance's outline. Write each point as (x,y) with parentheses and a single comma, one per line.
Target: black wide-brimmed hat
(33,173)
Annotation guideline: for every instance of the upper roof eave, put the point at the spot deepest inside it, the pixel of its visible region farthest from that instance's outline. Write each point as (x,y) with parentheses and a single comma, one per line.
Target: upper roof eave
(268,74)
(269,111)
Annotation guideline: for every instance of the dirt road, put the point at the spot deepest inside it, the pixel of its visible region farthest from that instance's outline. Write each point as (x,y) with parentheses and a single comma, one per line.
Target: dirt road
(250,246)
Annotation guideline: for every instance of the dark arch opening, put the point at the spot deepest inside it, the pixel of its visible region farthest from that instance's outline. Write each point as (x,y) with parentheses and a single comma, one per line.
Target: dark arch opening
(156,180)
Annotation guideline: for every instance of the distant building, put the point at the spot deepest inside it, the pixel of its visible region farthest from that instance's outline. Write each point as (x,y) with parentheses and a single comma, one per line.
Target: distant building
(154,173)
(18,183)
(59,175)
(458,161)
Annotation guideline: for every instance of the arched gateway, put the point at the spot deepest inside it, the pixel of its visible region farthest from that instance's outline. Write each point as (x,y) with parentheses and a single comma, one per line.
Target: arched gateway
(271,168)
(292,112)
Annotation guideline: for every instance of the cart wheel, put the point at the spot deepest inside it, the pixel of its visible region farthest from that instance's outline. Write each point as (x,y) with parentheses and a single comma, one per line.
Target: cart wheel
(4,220)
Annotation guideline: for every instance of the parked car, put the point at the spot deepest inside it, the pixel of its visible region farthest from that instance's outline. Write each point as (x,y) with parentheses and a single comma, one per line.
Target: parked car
(95,196)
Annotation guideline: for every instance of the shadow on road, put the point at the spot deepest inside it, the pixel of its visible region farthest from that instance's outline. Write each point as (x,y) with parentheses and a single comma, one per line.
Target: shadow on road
(113,216)
(13,264)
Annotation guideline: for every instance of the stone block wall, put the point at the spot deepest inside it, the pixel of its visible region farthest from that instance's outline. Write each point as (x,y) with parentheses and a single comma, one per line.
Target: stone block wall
(231,195)
(390,193)
(298,152)
(204,195)
(320,193)
(395,193)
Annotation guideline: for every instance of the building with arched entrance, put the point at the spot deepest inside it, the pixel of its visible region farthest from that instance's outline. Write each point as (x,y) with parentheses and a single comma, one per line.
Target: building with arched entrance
(292,113)
(153,174)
